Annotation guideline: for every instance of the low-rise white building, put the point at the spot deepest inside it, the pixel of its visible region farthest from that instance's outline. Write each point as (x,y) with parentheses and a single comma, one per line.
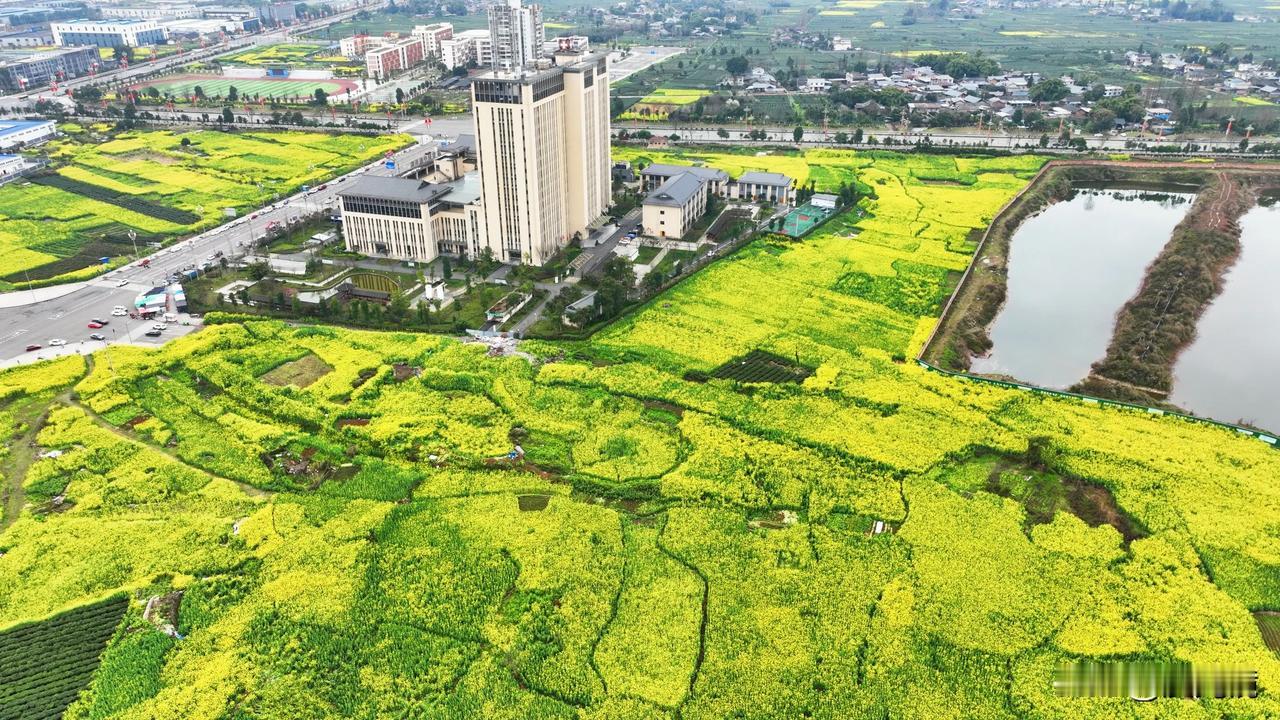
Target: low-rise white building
(824,201)
(467,47)
(567,43)
(675,206)
(19,133)
(750,186)
(355,46)
(764,186)
(108,33)
(149,12)
(658,173)
(10,164)
(209,28)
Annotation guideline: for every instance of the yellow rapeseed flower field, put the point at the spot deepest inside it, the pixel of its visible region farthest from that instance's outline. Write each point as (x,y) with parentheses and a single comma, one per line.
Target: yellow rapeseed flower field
(663,543)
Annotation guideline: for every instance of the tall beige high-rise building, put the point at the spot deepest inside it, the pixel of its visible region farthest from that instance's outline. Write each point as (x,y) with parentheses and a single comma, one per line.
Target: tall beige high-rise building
(542,146)
(516,32)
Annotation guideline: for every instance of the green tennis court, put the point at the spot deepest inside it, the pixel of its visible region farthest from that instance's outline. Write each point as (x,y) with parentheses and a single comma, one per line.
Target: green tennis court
(217,86)
(802,219)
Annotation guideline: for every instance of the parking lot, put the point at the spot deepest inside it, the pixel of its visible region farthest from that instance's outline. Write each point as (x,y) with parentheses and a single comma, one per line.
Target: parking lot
(67,319)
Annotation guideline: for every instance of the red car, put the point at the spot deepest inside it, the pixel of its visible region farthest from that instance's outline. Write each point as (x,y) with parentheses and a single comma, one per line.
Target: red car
(32,348)
(95,325)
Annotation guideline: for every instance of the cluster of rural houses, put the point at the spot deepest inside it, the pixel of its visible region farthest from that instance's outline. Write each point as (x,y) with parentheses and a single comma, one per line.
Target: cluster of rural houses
(929,92)
(1002,98)
(1239,78)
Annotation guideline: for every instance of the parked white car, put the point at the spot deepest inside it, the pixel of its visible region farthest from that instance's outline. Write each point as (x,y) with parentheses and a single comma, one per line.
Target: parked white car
(57,341)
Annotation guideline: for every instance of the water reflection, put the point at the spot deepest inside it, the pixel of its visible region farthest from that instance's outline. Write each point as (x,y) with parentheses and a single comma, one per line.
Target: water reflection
(1229,371)
(1071,268)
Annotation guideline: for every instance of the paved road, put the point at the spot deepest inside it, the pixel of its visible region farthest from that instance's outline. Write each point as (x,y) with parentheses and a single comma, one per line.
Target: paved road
(36,320)
(604,247)
(522,326)
(607,238)
(66,318)
(640,58)
(819,136)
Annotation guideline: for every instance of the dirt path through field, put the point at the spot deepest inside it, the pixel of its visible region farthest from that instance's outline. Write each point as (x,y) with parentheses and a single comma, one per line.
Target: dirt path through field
(14,467)
(248,489)
(1160,320)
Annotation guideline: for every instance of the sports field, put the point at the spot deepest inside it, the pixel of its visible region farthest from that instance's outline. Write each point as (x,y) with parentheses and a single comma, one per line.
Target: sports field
(802,219)
(218,86)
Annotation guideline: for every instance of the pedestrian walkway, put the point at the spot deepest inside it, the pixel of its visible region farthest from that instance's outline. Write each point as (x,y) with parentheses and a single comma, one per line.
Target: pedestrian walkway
(19,298)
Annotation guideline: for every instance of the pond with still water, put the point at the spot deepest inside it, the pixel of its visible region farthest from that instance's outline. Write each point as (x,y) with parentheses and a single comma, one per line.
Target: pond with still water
(1070,270)
(1231,371)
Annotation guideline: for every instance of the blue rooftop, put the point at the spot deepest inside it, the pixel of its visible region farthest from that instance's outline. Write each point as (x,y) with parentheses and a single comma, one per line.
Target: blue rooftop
(8,127)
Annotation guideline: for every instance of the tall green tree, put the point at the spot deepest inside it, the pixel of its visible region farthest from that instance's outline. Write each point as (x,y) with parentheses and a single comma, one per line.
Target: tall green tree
(1048,90)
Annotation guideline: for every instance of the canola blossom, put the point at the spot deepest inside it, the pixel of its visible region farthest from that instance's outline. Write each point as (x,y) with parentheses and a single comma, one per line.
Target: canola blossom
(877,540)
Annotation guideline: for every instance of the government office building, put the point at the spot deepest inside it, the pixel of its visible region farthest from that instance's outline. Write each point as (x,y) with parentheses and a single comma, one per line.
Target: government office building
(542,144)
(542,170)
(412,220)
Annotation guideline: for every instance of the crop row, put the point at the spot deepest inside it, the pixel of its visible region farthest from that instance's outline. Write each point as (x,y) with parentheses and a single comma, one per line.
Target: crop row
(762,366)
(128,202)
(47,663)
(157,183)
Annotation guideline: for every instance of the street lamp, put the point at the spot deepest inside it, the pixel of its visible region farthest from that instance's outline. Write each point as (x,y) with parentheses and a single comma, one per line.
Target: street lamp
(107,354)
(29,287)
(127,331)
